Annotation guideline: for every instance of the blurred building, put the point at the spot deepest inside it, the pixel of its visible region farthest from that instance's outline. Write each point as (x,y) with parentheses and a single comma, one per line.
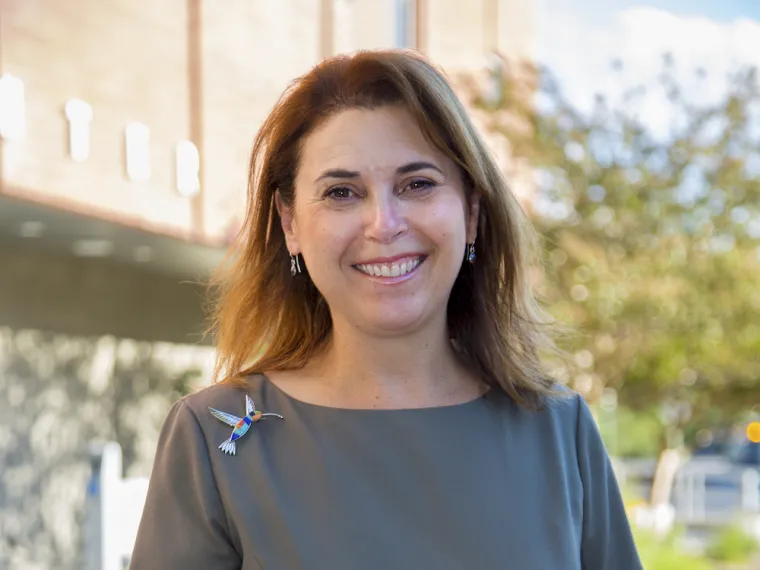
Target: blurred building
(126,131)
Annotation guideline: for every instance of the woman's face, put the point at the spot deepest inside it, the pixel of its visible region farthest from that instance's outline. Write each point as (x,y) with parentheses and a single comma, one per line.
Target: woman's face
(381,219)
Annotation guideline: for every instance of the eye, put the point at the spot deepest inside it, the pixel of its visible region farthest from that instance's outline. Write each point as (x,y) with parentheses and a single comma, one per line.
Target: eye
(419,185)
(339,193)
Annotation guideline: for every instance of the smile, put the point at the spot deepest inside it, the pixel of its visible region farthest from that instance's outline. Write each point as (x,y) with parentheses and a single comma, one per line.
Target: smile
(396,268)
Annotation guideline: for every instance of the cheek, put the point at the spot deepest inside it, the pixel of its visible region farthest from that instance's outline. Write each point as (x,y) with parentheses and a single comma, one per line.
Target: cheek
(325,238)
(446,222)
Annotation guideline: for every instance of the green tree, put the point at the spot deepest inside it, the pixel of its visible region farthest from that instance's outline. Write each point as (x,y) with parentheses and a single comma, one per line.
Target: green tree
(652,238)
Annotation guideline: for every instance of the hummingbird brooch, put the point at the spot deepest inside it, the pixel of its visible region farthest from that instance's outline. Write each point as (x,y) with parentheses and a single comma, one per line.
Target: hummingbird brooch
(240,425)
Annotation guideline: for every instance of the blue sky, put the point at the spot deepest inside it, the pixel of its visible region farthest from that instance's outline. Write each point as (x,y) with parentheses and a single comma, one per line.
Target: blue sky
(578,39)
(720,10)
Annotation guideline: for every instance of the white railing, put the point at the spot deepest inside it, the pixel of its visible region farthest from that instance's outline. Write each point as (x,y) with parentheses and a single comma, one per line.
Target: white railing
(714,494)
(705,493)
(114,508)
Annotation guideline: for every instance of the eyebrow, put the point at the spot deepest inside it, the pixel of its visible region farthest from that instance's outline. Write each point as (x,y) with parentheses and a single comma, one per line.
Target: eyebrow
(415,166)
(405,169)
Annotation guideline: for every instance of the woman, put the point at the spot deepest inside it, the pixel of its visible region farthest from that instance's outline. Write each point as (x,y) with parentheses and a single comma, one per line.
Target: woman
(382,402)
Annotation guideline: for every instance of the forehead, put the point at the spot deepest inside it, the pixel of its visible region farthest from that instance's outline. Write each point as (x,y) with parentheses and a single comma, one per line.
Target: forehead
(366,139)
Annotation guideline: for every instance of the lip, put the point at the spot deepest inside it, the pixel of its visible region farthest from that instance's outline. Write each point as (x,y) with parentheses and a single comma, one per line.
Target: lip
(381,260)
(390,280)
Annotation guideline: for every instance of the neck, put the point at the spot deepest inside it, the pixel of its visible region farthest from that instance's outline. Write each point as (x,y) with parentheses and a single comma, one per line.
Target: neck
(418,369)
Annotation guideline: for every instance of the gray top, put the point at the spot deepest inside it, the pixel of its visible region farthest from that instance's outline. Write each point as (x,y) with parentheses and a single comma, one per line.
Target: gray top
(482,485)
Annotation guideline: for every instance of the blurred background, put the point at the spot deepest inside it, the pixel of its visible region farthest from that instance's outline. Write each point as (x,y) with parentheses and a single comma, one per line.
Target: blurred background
(630,131)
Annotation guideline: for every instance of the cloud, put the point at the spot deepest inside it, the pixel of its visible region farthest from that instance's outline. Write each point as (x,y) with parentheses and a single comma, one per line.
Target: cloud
(580,48)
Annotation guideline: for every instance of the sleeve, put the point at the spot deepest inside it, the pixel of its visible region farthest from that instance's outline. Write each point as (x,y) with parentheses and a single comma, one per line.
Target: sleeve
(183,524)
(606,541)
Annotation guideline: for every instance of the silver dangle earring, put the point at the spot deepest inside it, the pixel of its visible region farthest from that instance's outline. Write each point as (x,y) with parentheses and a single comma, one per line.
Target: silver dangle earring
(471,252)
(295,265)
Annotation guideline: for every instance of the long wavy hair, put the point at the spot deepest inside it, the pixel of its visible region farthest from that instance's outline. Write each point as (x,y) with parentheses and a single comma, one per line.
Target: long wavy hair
(264,319)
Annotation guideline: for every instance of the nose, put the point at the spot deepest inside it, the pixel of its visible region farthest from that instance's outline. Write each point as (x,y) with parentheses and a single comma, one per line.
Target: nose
(386,218)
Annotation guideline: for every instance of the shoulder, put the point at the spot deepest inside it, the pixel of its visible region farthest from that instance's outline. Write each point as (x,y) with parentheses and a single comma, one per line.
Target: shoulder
(569,420)
(552,428)
(227,397)
(205,417)
(564,408)
(569,412)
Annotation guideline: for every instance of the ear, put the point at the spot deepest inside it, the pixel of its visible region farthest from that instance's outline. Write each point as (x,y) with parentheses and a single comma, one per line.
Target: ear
(473,217)
(288,224)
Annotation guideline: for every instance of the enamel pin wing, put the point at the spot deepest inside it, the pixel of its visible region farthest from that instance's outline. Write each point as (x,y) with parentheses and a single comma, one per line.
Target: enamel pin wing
(240,426)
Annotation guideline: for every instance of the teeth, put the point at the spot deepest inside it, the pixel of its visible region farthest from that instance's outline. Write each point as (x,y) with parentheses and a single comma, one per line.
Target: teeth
(389,269)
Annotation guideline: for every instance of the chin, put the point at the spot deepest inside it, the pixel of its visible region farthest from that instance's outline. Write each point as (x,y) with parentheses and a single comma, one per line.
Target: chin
(390,321)
(390,329)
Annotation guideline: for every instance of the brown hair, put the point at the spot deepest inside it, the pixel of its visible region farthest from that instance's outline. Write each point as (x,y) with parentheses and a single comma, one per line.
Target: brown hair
(264,319)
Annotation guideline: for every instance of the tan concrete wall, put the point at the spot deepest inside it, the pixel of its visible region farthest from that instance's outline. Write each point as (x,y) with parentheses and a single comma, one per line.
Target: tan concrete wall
(212,82)
(144,61)
(455,33)
(128,61)
(460,35)
(516,28)
(252,50)
(364,24)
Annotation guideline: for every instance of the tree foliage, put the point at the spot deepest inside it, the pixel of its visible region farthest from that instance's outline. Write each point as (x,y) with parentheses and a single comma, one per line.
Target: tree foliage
(652,235)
